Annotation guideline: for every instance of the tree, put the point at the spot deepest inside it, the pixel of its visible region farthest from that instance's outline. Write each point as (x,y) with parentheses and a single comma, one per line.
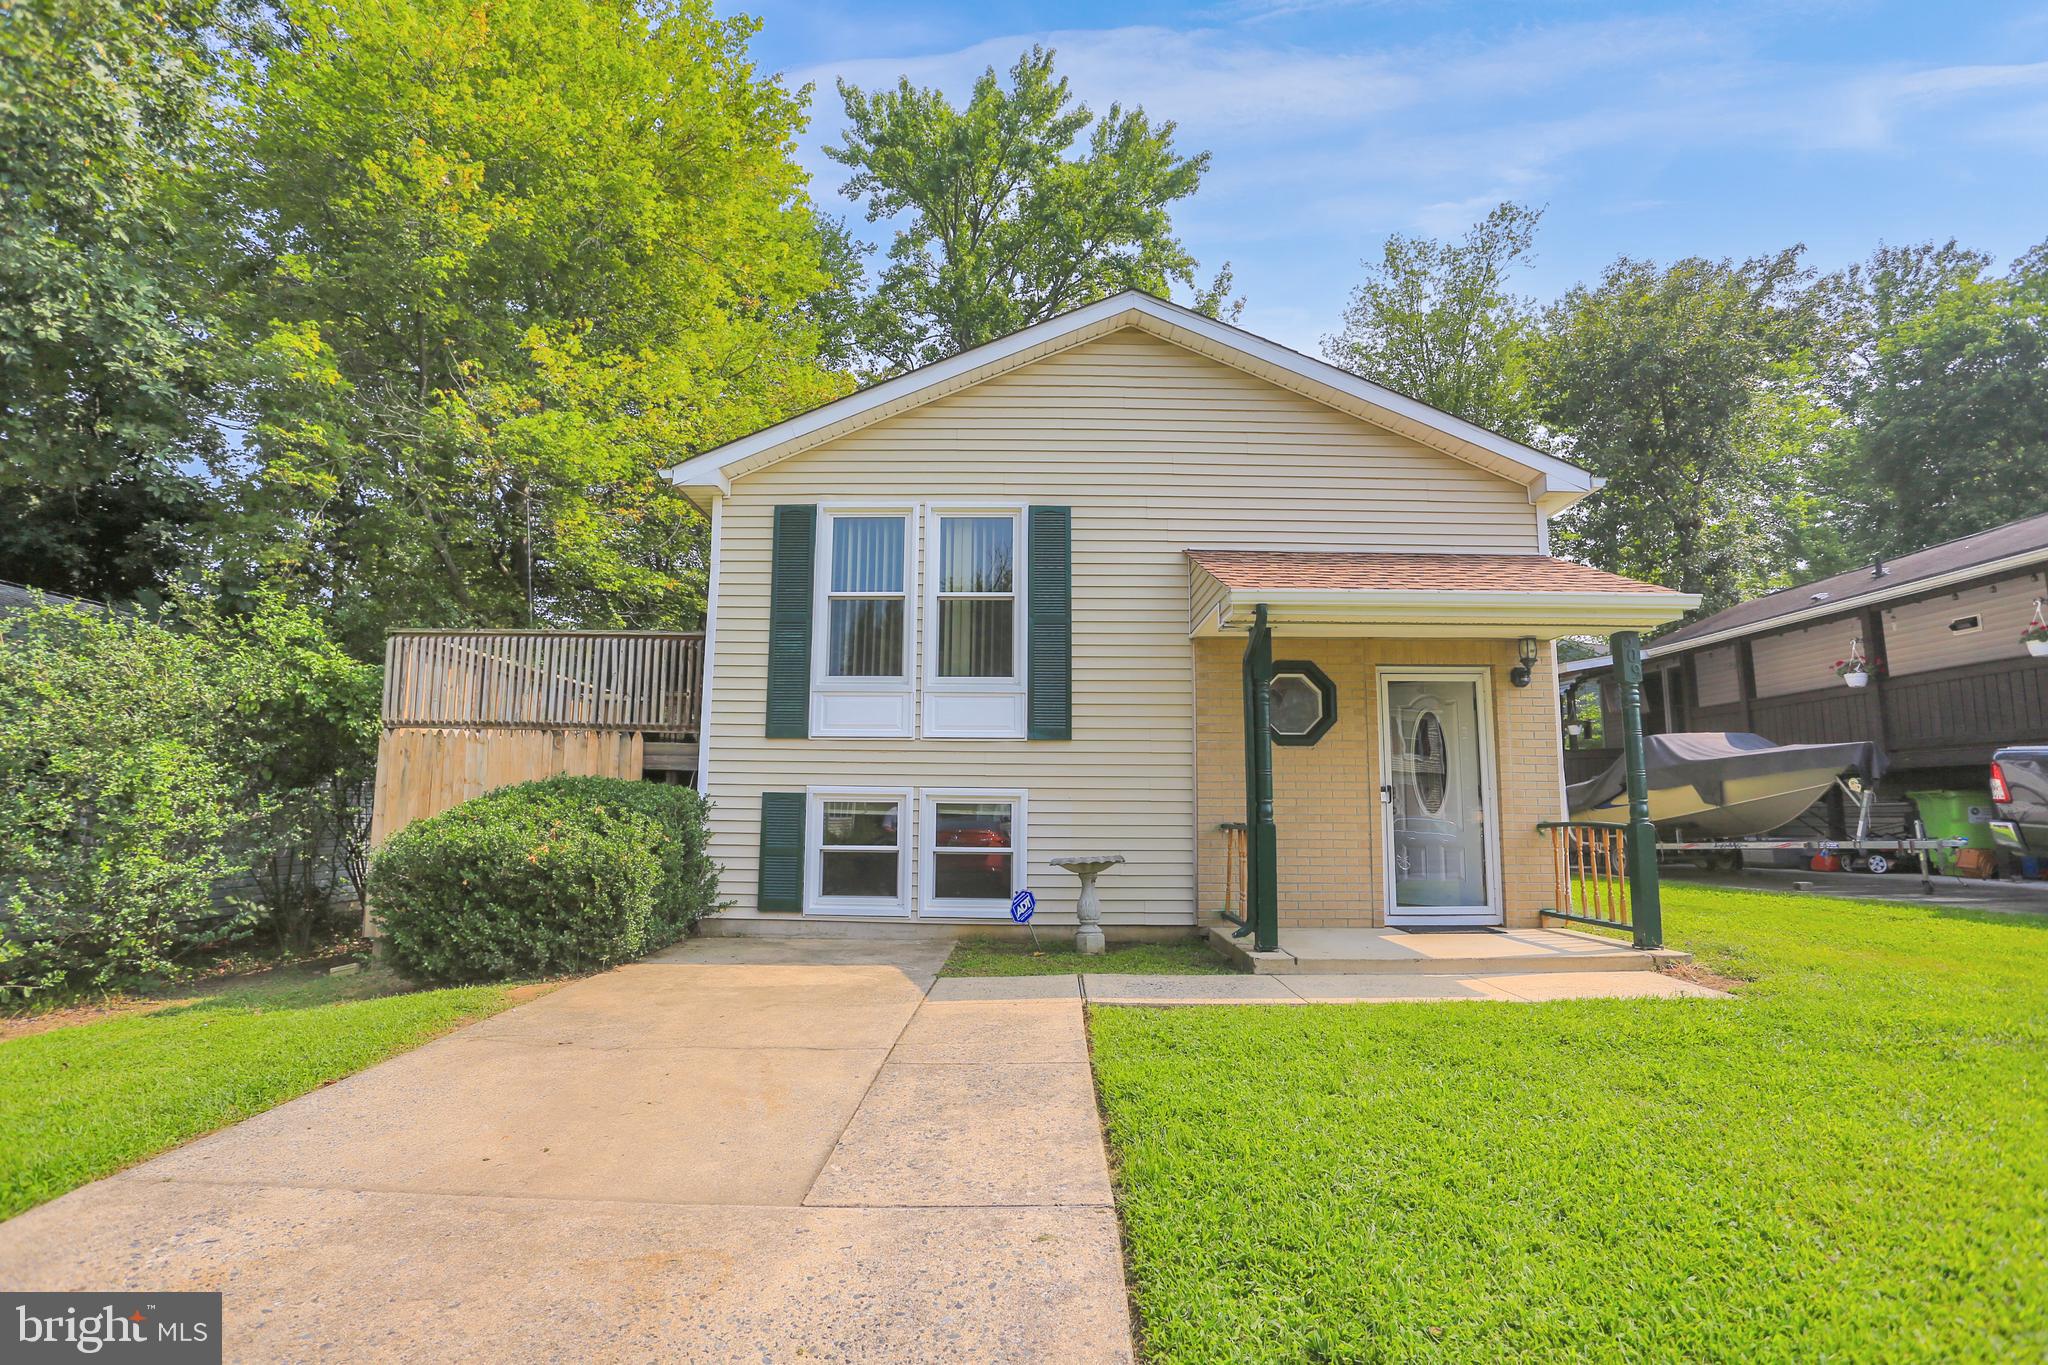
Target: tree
(1004,227)
(1437,321)
(1683,387)
(1955,436)
(488,271)
(102,370)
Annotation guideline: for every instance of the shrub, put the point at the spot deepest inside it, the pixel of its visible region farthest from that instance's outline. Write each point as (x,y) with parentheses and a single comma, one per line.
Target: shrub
(568,874)
(143,760)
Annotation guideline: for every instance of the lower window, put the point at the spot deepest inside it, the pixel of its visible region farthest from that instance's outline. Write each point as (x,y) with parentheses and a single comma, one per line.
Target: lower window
(973,852)
(857,846)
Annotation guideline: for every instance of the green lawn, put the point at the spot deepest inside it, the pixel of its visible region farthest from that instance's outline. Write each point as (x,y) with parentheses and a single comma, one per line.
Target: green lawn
(1017,957)
(1847,1163)
(80,1102)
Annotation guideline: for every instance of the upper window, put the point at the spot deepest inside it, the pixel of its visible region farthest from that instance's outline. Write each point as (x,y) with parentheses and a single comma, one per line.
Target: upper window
(974,631)
(867,602)
(977,596)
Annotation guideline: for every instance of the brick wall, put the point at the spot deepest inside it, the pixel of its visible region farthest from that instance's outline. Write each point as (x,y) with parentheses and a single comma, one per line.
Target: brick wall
(1326,796)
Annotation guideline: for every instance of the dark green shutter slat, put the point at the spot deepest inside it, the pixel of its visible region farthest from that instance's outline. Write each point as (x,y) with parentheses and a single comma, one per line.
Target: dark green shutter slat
(789,623)
(782,851)
(1050,648)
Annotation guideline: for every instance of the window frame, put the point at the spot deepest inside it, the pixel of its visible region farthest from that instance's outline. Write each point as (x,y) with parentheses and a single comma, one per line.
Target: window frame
(977,708)
(859,708)
(930,906)
(816,902)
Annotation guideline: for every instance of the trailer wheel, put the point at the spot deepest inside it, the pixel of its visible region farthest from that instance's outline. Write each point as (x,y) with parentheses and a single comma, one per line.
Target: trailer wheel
(1878,862)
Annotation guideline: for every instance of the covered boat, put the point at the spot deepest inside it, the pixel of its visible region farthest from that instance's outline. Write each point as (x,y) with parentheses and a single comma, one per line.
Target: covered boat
(1726,784)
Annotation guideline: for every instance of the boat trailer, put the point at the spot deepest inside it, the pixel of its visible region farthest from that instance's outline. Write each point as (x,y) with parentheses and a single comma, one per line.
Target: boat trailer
(1862,842)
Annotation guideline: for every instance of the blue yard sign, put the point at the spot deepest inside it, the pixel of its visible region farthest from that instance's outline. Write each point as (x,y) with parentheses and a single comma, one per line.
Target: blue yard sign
(1022,906)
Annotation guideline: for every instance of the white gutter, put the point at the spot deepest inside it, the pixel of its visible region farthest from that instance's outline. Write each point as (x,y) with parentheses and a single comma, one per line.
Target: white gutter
(1444,611)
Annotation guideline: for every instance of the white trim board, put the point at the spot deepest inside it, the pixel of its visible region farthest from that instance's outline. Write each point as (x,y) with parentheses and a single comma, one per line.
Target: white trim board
(1552,484)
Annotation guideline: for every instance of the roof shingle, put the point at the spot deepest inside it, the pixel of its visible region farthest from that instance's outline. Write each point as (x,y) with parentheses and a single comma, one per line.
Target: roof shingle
(1362,571)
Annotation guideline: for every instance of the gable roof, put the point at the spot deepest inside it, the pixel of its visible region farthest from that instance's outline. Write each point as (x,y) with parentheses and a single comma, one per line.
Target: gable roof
(2014,545)
(1553,484)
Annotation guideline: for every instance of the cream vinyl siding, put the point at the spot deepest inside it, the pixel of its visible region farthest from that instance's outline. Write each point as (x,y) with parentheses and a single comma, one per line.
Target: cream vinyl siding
(1802,660)
(1208,590)
(1718,675)
(1156,450)
(1918,639)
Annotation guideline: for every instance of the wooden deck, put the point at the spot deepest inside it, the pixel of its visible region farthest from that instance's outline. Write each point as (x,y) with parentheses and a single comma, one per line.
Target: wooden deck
(469,711)
(650,681)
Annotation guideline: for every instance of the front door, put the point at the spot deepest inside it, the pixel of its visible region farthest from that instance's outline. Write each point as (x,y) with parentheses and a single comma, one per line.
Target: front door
(1436,771)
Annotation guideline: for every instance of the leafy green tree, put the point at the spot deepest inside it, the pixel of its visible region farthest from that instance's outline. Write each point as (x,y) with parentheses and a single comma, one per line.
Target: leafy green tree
(1953,436)
(102,370)
(1005,228)
(1439,321)
(488,271)
(1683,387)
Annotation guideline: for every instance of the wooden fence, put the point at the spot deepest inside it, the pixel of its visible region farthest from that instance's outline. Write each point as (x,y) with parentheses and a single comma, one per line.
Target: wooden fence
(422,772)
(648,681)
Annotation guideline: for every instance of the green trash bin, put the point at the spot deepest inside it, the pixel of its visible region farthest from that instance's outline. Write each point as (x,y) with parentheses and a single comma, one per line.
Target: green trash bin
(1954,815)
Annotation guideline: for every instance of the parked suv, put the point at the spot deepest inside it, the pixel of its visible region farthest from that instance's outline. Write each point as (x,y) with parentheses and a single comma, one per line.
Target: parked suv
(2019,793)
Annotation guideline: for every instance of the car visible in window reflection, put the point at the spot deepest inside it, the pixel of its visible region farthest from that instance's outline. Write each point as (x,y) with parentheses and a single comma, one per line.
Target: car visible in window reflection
(977,830)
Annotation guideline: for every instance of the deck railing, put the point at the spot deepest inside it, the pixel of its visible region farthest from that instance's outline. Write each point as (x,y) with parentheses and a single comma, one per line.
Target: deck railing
(651,681)
(1590,864)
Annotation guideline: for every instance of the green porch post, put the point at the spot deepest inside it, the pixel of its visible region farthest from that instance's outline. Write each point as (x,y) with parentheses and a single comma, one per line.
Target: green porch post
(1646,909)
(1262,846)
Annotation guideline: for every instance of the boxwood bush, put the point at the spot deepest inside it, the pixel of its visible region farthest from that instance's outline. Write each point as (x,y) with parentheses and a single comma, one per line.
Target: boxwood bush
(568,874)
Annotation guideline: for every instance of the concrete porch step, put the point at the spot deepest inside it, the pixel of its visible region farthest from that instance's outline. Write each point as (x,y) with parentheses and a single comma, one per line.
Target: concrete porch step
(1476,953)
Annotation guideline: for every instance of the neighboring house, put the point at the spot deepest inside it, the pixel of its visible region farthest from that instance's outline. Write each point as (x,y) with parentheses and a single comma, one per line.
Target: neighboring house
(17,597)
(1955,683)
(995,612)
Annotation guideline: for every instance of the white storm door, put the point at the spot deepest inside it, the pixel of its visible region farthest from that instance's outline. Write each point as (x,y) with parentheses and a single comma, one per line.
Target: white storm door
(1436,770)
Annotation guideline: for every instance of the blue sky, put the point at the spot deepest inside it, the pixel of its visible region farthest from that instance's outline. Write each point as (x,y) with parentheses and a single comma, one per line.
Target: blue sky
(1652,130)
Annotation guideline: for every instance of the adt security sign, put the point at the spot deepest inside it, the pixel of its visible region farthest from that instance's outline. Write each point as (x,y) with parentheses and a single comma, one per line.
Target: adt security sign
(1022,906)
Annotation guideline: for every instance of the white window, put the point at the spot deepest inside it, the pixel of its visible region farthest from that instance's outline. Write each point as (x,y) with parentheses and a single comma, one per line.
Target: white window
(861,646)
(973,853)
(974,623)
(858,849)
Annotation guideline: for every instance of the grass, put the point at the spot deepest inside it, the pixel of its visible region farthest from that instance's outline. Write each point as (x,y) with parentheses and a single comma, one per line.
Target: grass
(1848,1162)
(80,1102)
(1017,957)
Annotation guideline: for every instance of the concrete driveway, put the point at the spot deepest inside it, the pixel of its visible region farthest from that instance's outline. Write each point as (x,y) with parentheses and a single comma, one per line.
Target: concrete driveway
(742,1149)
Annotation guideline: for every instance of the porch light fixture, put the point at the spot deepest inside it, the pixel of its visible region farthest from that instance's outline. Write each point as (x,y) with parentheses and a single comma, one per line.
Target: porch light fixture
(1524,672)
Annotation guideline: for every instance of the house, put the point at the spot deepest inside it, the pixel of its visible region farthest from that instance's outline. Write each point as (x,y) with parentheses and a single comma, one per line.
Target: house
(1952,679)
(1029,602)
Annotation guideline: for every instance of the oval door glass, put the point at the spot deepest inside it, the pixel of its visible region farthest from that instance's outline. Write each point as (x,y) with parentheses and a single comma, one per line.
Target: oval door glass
(1439,814)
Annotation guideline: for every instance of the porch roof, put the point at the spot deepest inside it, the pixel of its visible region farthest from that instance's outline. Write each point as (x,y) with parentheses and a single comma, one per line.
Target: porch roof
(1448,595)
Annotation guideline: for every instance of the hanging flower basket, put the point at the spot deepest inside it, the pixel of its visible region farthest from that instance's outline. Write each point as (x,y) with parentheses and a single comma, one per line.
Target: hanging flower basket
(2035,636)
(1856,670)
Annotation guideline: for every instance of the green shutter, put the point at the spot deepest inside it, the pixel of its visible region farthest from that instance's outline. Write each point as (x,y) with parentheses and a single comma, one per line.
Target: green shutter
(1050,648)
(782,851)
(789,623)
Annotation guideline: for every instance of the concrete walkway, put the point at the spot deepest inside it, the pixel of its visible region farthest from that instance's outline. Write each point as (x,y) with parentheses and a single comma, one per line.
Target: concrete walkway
(1326,989)
(745,1149)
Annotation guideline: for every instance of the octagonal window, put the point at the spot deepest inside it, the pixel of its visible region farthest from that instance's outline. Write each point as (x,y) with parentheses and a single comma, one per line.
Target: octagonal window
(1296,705)
(1301,703)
